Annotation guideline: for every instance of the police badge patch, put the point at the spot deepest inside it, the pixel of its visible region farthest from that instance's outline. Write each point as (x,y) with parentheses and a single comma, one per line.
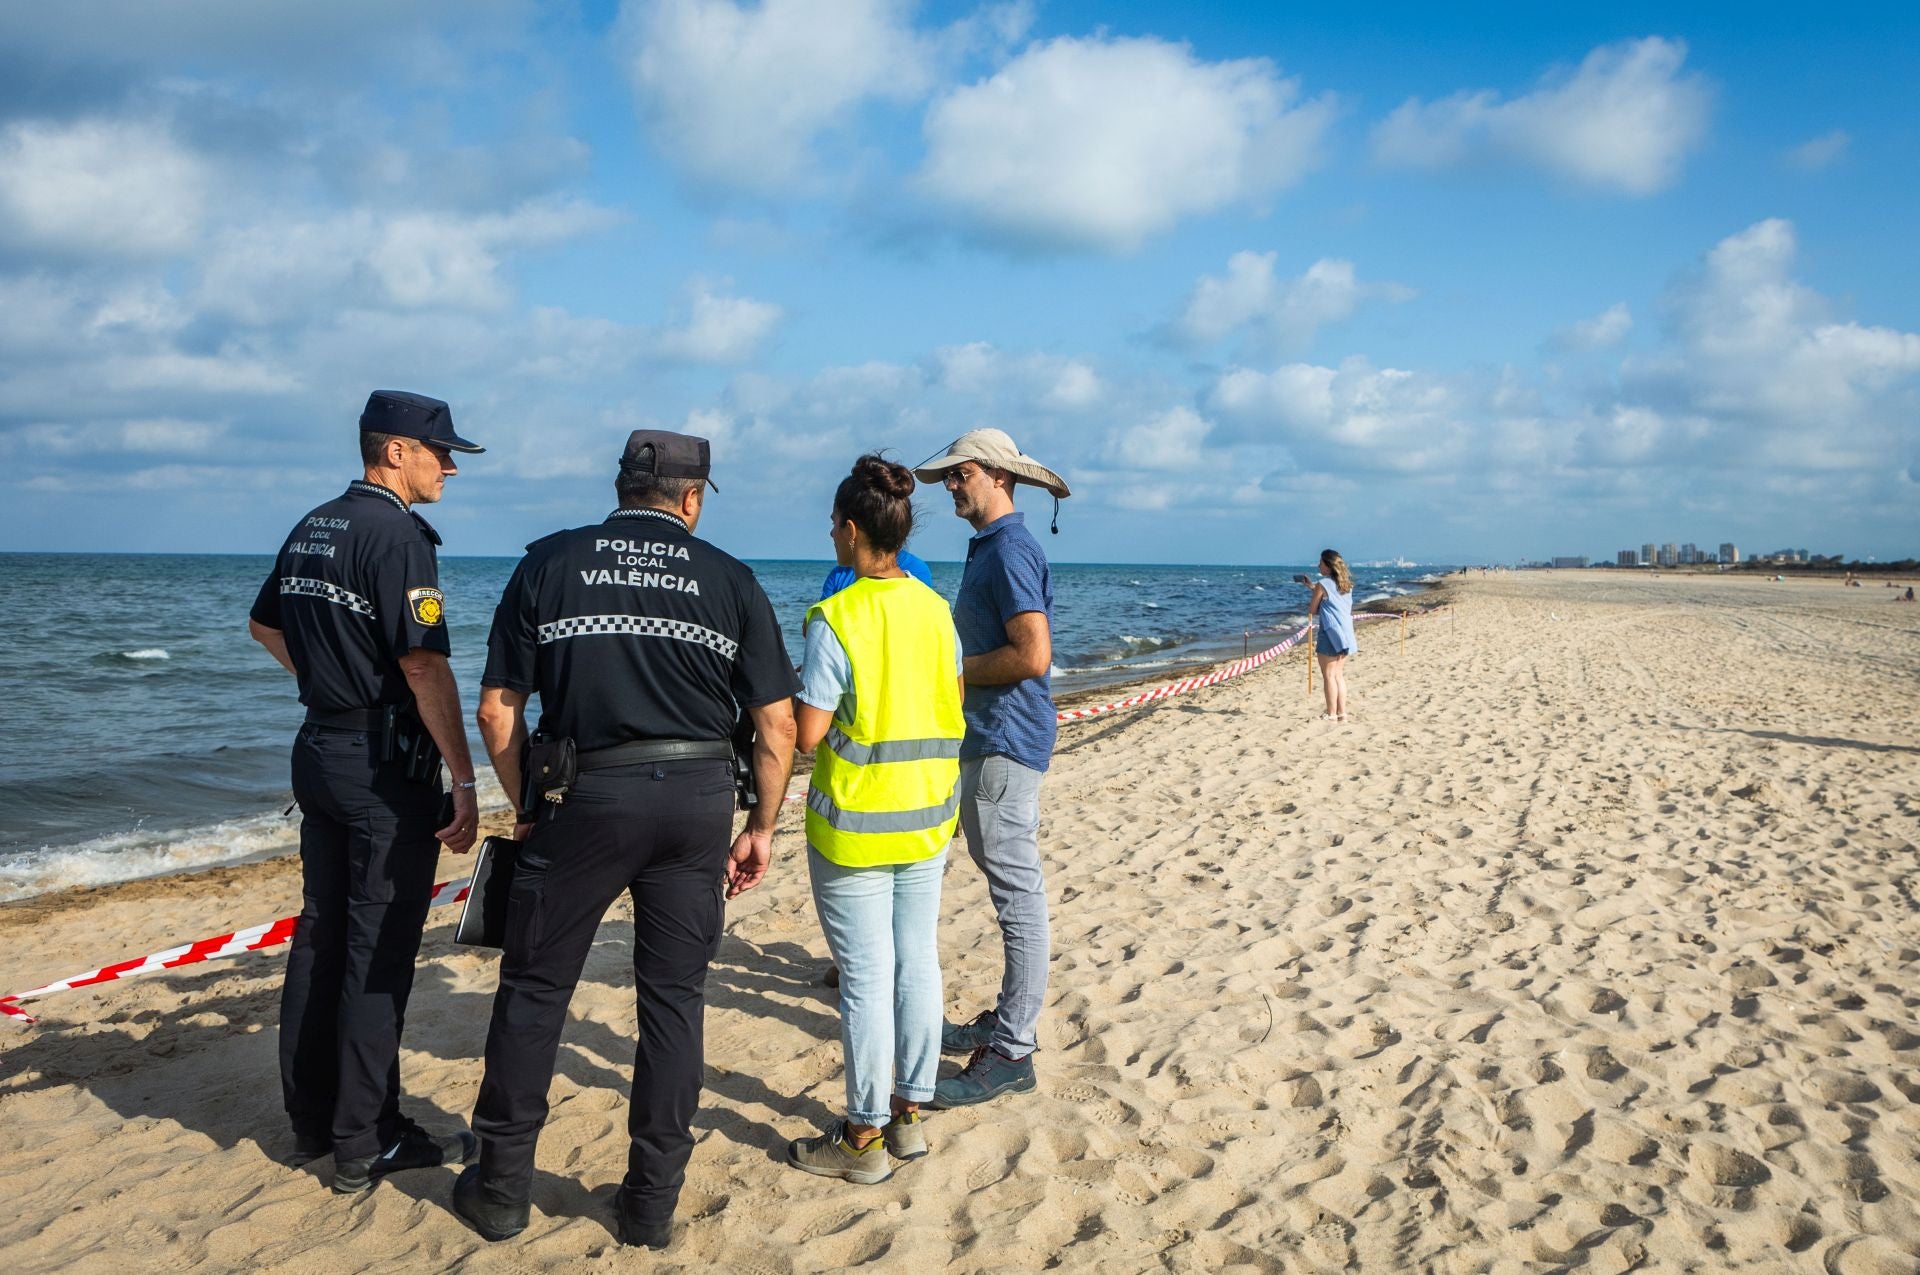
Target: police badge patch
(428,605)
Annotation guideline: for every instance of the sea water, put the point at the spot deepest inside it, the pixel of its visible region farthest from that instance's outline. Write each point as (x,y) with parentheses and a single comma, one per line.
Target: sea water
(145,732)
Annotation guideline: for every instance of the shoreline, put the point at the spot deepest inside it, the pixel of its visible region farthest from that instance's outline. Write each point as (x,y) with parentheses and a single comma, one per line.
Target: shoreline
(1098,691)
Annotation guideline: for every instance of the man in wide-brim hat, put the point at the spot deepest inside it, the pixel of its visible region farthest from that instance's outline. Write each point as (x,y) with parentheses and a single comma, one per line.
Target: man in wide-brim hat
(1004,614)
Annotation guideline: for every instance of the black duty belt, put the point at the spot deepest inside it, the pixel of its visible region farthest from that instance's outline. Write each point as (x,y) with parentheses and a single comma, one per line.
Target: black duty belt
(645,750)
(349,718)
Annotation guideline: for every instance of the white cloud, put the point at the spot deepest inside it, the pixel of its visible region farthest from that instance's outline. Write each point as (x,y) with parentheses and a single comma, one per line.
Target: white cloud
(981,370)
(161,436)
(267,270)
(719,329)
(99,186)
(1173,441)
(1603,331)
(1352,418)
(1287,312)
(1820,152)
(1103,142)
(1626,119)
(738,95)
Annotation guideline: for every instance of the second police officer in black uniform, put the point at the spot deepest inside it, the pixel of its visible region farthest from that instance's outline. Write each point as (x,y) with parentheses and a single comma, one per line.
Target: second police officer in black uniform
(644,644)
(353,610)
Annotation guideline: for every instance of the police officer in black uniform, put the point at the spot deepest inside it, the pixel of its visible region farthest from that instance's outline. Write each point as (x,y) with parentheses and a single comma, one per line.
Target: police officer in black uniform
(353,609)
(644,644)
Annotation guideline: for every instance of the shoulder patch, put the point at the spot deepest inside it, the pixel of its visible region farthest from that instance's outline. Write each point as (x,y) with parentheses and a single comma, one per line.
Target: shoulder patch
(429,606)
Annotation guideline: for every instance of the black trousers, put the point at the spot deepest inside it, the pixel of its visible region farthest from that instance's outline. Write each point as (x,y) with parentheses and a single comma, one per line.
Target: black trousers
(659,832)
(367,854)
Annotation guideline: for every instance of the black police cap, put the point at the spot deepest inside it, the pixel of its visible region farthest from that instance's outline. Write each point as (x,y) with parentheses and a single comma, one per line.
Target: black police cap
(406,415)
(670,455)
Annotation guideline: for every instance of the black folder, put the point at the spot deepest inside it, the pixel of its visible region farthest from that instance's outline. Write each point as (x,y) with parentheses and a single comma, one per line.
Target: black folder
(483,918)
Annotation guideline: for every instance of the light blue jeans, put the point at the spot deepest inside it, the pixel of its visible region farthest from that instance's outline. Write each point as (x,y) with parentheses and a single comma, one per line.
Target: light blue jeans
(882,927)
(1000,818)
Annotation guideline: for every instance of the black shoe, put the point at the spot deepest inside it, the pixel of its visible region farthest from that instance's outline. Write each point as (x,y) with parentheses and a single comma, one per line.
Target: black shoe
(493,1220)
(415,1148)
(308,1147)
(635,1232)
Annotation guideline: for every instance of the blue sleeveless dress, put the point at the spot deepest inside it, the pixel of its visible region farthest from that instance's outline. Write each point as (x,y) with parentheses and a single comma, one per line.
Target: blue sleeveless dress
(1336,620)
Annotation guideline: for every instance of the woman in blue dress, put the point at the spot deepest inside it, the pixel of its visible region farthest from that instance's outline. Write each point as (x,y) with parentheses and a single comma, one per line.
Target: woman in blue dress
(1332,609)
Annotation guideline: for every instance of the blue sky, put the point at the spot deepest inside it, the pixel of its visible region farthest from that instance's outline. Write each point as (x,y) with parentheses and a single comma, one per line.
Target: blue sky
(1456,284)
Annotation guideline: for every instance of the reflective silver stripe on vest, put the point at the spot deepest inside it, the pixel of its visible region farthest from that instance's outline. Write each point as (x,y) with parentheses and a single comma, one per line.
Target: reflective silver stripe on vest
(890,749)
(883,821)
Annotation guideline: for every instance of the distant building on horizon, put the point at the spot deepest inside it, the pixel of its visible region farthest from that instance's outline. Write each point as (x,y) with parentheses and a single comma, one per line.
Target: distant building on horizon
(1729,552)
(1571,561)
(1646,554)
(1669,555)
(1626,558)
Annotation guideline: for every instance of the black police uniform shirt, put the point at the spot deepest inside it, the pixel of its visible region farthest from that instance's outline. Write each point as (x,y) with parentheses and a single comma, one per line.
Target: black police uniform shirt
(636,629)
(355,587)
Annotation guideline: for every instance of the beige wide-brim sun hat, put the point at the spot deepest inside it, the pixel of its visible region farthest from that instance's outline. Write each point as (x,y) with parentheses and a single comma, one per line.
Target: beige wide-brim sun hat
(991,447)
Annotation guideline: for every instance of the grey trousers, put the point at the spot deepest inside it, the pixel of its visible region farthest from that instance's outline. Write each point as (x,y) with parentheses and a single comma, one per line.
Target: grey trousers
(1000,817)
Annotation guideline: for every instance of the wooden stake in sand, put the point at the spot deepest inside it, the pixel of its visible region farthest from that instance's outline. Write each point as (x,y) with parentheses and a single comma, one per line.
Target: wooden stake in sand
(1310,659)
(1403,633)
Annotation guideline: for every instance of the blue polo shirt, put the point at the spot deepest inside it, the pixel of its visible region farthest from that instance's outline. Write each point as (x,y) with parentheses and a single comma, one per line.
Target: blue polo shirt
(1006,574)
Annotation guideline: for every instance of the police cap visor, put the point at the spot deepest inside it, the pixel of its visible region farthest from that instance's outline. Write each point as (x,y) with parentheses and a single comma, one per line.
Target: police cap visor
(407,415)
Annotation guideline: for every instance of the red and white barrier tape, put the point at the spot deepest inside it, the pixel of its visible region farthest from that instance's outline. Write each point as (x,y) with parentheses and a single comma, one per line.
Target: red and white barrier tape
(248,940)
(276,932)
(1226,672)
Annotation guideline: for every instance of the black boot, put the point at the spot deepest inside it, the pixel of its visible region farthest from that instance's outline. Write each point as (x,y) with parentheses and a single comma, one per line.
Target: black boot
(414,1148)
(494,1221)
(636,1231)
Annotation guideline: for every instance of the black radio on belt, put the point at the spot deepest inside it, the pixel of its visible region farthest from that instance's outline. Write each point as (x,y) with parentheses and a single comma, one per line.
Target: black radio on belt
(743,763)
(406,739)
(548,768)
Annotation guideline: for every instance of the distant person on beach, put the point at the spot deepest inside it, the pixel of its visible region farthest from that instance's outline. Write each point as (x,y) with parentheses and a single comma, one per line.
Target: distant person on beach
(353,609)
(1331,606)
(643,642)
(879,708)
(1004,613)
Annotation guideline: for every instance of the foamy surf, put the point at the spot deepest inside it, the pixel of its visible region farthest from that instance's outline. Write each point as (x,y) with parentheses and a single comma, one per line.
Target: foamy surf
(147,653)
(141,853)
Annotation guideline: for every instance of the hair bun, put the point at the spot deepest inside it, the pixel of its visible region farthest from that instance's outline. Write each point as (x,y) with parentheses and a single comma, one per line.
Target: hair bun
(884,476)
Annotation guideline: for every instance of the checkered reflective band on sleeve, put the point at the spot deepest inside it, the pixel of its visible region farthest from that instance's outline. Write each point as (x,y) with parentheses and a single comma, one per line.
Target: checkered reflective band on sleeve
(307,587)
(639,626)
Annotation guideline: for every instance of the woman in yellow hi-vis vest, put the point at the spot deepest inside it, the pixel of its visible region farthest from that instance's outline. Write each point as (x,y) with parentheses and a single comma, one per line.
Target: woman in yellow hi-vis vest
(880,708)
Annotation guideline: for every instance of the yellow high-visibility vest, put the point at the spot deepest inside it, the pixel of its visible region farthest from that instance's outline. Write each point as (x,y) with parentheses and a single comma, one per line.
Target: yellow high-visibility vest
(886,785)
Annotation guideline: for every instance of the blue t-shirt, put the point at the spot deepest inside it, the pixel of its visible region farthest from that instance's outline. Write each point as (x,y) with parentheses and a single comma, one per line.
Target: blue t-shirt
(840,577)
(1006,574)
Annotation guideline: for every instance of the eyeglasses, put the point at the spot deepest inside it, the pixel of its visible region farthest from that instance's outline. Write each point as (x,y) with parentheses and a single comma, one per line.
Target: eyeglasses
(959,477)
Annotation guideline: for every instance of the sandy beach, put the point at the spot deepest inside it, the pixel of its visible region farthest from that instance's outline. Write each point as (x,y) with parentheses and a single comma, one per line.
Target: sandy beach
(1593,943)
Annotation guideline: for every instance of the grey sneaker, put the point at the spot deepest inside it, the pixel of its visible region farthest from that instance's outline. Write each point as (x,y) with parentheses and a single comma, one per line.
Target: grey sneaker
(964,1038)
(831,1155)
(988,1074)
(906,1136)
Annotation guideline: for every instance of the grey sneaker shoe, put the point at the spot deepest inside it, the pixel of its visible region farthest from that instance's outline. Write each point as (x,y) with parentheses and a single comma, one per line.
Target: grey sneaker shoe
(831,1155)
(964,1038)
(906,1136)
(988,1074)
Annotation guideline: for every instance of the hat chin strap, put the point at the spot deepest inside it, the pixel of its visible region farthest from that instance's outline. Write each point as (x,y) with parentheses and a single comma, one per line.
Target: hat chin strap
(1056,515)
